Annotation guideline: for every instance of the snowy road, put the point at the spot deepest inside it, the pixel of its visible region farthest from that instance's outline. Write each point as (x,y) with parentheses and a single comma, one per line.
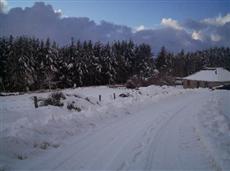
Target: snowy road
(163,136)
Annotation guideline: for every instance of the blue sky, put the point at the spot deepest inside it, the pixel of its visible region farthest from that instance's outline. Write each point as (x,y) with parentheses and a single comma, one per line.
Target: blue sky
(135,12)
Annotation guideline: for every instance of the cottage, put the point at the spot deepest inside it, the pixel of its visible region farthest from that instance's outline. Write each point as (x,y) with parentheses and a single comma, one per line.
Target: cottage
(208,77)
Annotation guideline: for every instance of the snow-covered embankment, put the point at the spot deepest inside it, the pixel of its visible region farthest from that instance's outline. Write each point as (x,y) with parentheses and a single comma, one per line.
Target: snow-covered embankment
(26,131)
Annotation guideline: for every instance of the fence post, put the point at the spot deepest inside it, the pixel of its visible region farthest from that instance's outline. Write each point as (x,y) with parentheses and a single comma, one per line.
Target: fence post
(99,97)
(35,102)
(114,96)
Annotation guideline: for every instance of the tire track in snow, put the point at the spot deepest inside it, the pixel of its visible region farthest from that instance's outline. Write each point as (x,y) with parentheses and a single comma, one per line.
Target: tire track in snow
(150,158)
(177,158)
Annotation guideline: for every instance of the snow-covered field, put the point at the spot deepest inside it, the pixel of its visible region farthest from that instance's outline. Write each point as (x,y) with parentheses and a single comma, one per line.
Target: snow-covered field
(153,128)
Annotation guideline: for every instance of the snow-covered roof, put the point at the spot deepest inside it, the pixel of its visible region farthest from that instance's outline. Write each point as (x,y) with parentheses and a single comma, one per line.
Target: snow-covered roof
(210,74)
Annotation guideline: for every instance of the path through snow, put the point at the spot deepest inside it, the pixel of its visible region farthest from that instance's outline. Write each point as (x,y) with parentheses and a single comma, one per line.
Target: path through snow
(163,136)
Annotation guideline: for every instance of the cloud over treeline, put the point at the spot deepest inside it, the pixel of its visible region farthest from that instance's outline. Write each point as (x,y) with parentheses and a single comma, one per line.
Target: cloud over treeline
(42,21)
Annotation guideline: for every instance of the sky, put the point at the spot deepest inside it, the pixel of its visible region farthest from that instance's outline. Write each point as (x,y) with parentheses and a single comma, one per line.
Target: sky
(134,13)
(178,24)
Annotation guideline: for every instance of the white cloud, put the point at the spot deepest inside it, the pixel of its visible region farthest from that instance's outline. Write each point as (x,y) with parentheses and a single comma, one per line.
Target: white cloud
(218,21)
(215,37)
(58,11)
(3,5)
(171,23)
(140,28)
(197,35)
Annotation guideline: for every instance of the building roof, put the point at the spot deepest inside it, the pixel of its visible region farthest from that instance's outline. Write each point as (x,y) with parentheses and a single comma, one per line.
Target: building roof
(210,74)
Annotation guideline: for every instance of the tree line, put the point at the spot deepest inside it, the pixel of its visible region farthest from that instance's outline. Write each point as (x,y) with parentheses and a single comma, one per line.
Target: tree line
(185,63)
(32,64)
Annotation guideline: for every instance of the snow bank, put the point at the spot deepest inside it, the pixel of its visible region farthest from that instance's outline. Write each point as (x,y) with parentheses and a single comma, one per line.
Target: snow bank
(26,131)
(214,123)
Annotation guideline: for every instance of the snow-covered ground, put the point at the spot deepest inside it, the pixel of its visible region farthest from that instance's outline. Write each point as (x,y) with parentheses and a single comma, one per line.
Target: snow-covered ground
(214,124)
(154,128)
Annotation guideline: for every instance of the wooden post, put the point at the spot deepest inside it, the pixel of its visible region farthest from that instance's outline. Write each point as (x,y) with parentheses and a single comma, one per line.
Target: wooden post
(114,96)
(99,97)
(35,102)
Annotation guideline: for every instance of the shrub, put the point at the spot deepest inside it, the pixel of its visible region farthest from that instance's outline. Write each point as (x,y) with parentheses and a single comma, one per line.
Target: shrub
(73,106)
(44,145)
(58,96)
(130,84)
(53,102)
(21,157)
(54,99)
(125,95)
(137,81)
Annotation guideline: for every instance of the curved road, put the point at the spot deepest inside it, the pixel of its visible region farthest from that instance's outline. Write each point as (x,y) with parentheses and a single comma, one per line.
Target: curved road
(163,136)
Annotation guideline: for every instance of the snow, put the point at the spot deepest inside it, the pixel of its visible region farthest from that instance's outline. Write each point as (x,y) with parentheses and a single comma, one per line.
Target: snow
(215,127)
(154,128)
(23,127)
(215,74)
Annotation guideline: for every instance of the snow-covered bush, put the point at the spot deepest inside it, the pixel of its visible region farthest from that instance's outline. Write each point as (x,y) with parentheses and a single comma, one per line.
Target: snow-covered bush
(73,105)
(54,99)
(125,95)
(58,96)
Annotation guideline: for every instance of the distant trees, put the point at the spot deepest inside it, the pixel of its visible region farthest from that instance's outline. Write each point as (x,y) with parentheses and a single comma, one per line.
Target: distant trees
(31,64)
(183,64)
